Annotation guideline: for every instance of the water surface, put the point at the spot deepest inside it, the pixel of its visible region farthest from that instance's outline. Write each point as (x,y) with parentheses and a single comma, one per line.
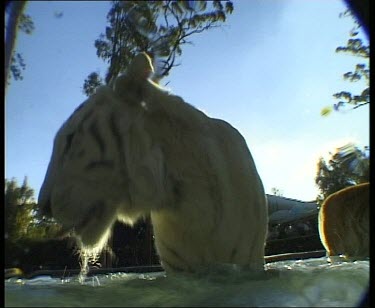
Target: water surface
(306,283)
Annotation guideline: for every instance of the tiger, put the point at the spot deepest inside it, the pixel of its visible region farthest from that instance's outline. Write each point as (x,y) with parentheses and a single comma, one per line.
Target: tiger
(344,223)
(134,149)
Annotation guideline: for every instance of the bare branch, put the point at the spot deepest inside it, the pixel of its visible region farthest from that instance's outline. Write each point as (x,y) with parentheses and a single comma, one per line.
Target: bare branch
(161,36)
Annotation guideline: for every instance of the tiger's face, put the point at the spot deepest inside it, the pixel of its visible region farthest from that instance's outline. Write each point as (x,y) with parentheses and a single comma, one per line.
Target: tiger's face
(84,190)
(138,150)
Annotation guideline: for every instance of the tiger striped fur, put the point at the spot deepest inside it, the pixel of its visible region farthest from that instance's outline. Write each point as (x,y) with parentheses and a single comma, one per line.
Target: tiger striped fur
(344,222)
(136,149)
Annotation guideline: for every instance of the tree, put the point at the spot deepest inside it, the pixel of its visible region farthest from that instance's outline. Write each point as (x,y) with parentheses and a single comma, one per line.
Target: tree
(355,47)
(18,203)
(20,211)
(276,192)
(14,62)
(159,28)
(91,83)
(348,166)
(361,8)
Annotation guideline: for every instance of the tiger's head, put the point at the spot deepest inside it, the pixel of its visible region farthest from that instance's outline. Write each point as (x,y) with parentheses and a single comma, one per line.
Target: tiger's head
(99,164)
(81,177)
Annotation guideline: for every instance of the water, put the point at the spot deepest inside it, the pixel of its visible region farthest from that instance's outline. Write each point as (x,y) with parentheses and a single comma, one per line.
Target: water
(306,283)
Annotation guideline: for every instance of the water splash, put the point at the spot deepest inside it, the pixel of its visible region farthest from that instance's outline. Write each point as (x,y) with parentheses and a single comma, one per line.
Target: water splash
(88,257)
(295,283)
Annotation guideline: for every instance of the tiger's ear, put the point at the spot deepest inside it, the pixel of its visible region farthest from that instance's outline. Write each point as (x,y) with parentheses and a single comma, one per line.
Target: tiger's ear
(129,86)
(140,67)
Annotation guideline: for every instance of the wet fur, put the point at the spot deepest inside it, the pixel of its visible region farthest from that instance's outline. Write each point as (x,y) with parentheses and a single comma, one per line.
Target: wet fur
(139,150)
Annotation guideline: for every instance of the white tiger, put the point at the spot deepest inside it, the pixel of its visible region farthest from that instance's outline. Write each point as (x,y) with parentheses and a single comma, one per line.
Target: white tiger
(344,222)
(139,150)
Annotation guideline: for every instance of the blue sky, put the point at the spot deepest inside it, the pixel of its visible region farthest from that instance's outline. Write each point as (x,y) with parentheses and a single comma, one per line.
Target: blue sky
(269,71)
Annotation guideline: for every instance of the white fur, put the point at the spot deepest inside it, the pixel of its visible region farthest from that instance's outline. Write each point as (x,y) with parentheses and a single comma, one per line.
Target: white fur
(193,174)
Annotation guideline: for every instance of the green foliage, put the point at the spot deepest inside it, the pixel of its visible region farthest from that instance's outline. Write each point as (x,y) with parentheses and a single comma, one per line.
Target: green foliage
(354,47)
(91,83)
(17,66)
(159,28)
(18,208)
(26,24)
(17,20)
(348,166)
(20,212)
(276,192)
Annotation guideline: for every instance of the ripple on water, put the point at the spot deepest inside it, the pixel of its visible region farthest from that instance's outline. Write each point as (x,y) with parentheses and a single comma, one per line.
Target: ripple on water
(311,282)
